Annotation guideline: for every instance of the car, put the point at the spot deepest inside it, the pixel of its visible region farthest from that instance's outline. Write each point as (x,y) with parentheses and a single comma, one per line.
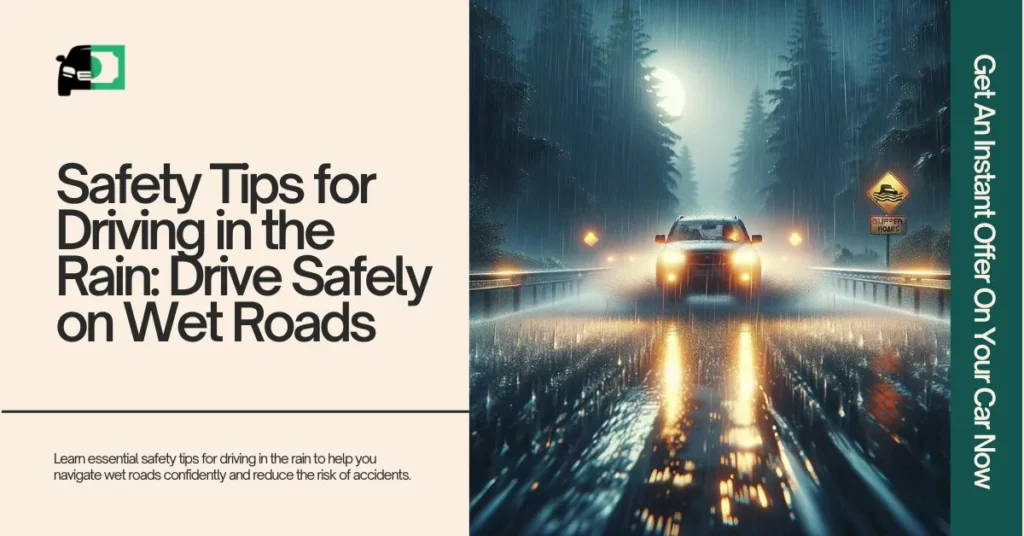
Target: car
(887,192)
(75,70)
(708,255)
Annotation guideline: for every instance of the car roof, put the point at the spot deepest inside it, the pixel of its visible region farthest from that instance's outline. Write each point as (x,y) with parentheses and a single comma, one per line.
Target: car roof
(708,218)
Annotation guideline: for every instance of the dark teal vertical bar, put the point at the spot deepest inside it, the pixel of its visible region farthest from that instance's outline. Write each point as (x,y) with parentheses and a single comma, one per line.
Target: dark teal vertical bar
(983,29)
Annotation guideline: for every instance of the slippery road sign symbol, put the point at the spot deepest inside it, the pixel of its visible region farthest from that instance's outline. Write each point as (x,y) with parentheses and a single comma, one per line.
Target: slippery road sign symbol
(889,193)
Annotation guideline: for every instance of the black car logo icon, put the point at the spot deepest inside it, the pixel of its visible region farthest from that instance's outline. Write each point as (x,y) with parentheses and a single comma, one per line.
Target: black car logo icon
(75,70)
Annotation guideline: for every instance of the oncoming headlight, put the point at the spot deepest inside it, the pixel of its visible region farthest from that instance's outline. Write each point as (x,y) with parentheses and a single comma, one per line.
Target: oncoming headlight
(672,256)
(744,257)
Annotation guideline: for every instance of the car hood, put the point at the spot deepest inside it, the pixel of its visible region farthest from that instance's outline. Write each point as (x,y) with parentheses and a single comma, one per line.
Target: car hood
(705,245)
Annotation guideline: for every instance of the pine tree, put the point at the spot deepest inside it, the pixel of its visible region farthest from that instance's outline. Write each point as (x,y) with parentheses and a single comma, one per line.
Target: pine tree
(501,155)
(639,149)
(563,63)
(808,126)
(751,162)
(903,113)
(875,100)
(918,144)
(687,190)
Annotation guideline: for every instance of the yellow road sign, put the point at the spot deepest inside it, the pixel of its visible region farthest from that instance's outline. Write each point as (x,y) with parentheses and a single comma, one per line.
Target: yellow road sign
(888,193)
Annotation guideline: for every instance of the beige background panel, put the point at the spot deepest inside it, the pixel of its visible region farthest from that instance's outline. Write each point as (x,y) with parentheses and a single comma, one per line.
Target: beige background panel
(370,87)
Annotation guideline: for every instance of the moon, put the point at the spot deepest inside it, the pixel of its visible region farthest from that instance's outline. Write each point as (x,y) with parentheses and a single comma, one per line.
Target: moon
(671,93)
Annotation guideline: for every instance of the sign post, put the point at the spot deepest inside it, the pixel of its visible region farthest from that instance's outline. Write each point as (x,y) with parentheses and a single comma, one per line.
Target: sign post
(888,193)
(888,226)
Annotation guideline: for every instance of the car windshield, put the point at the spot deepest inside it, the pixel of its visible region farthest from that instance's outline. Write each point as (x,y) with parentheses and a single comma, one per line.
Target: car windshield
(730,231)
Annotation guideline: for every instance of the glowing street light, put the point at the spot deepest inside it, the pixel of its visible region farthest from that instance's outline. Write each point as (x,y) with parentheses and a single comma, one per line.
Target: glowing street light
(590,239)
(795,239)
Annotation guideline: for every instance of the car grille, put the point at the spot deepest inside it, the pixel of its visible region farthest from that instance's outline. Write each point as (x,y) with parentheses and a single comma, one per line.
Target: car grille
(84,75)
(712,258)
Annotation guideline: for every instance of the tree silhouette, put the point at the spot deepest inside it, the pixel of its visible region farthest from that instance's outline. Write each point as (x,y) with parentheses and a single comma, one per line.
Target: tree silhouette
(919,140)
(501,155)
(564,64)
(903,115)
(808,125)
(687,190)
(639,146)
(751,161)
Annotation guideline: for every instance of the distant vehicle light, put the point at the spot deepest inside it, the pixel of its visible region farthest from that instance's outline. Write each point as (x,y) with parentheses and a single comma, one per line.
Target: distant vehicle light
(671,277)
(795,239)
(590,239)
(611,258)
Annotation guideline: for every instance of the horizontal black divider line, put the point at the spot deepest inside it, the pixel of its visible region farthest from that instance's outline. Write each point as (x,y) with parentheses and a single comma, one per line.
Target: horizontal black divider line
(366,411)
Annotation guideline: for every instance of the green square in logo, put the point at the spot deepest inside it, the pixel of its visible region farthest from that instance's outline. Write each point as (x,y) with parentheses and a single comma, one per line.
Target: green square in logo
(107,67)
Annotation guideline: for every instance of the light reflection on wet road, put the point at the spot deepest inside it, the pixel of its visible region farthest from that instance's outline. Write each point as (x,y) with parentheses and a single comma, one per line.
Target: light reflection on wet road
(641,419)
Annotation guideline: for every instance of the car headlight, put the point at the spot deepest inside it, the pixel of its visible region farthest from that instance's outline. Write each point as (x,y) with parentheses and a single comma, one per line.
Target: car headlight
(744,257)
(673,257)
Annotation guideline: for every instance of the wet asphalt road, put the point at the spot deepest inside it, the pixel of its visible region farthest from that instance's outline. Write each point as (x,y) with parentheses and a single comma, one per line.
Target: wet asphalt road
(622,413)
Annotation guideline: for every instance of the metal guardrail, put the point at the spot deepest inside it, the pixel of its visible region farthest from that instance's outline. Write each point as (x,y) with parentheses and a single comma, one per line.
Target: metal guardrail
(929,282)
(541,286)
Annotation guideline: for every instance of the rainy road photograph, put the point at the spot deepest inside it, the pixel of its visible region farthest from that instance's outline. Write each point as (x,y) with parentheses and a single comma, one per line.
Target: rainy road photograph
(709,267)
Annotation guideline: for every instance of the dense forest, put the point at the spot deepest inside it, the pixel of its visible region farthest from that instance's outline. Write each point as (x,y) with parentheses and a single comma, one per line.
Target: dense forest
(567,134)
